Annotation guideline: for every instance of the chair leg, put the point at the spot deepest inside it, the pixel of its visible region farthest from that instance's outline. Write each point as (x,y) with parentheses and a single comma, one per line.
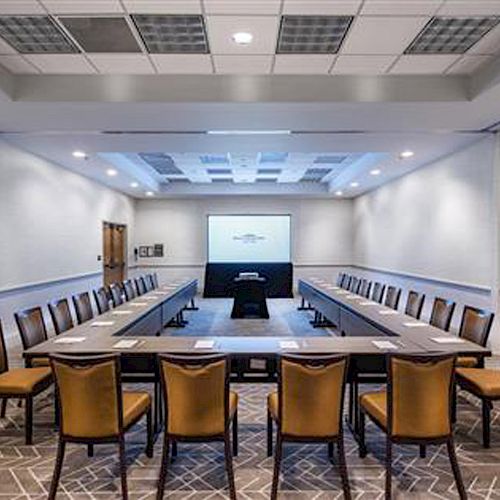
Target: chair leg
(269,434)
(454,403)
(90,450)
(28,424)
(388,469)
(277,465)
(343,468)
(235,434)
(330,450)
(456,469)
(4,408)
(164,468)
(422,451)
(61,447)
(149,432)
(123,467)
(486,410)
(229,467)
(174,449)
(362,442)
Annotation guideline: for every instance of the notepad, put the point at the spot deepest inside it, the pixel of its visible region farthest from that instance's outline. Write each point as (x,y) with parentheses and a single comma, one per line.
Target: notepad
(121,313)
(102,323)
(204,344)
(368,303)
(138,304)
(414,324)
(342,292)
(384,344)
(448,340)
(352,297)
(385,312)
(69,340)
(289,344)
(149,298)
(125,344)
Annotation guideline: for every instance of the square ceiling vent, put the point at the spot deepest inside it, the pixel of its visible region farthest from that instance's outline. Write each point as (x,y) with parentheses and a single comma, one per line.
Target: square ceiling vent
(315,174)
(162,163)
(172,34)
(451,35)
(101,34)
(214,159)
(312,34)
(35,35)
(330,159)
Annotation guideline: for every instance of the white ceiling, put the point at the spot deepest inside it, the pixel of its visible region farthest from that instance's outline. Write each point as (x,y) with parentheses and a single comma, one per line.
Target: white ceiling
(375,43)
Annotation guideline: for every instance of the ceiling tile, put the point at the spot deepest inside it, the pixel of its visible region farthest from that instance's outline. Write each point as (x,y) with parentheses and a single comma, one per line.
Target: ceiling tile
(295,64)
(382,35)
(221,29)
(163,6)
(122,64)
(182,64)
(260,7)
(17,64)
(489,44)
(467,65)
(61,63)
(423,64)
(362,65)
(243,65)
(20,7)
(400,7)
(87,7)
(5,48)
(321,7)
(470,8)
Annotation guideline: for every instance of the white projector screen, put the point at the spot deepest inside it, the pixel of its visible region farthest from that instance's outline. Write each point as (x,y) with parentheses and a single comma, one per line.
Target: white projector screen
(249,238)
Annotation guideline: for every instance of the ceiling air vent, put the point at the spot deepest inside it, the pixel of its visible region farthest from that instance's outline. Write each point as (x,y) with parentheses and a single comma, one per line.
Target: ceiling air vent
(315,174)
(161,163)
(270,171)
(330,159)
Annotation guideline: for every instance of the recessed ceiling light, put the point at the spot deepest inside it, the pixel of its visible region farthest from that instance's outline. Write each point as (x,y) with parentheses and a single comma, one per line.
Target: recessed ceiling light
(339,193)
(242,38)
(111,172)
(375,171)
(134,184)
(354,184)
(149,193)
(79,154)
(406,154)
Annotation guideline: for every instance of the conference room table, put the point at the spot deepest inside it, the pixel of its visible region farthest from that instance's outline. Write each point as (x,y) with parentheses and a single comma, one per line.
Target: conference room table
(368,331)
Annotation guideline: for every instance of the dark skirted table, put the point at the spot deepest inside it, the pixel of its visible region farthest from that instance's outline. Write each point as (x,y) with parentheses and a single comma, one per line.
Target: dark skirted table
(249,298)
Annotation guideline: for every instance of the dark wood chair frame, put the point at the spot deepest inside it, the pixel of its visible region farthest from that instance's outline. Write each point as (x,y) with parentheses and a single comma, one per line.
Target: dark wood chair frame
(76,305)
(452,310)
(51,307)
(421,299)
(24,340)
(487,329)
(199,361)
(115,290)
(354,284)
(140,285)
(397,291)
(365,288)
(309,360)
(97,293)
(347,282)
(90,442)
(155,280)
(130,290)
(422,443)
(378,288)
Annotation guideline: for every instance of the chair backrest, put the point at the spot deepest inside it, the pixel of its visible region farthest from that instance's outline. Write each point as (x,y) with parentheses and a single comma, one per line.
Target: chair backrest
(340,279)
(83,307)
(354,285)
(365,287)
(196,390)
(311,394)
(31,326)
(129,288)
(155,280)
(420,395)
(378,292)
(442,312)
(140,285)
(101,300)
(4,362)
(89,395)
(414,304)
(347,282)
(116,294)
(476,325)
(61,315)
(392,297)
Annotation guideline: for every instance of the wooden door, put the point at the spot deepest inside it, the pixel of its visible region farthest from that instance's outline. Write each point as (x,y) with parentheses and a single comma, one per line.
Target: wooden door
(114,239)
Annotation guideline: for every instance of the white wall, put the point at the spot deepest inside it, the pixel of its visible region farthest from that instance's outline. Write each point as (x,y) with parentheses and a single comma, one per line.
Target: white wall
(50,230)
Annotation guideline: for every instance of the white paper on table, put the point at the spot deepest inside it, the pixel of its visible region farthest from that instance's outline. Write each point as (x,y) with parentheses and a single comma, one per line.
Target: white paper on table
(69,340)
(448,340)
(385,312)
(342,292)
(414,324)
(121,313)
(149,298)
(368,303)
(138,304)
(125,344)
(384,344)
(351,297)
(103,323)
(289,344)
(204,344)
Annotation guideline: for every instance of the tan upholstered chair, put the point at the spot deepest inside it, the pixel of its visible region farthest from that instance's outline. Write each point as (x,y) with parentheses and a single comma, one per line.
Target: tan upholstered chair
(378,292)
(32,331)
(155,280)
(442,312)
(83,307)
(21,383)
(61,315)
(308,407)
(354,285)
(415,408)
(414,304)
(392,297)
(148,280)
(130,290)
(347,282)
(199,407)
(140,285)
(94,410)
(115,289)
(102,300)
(365,288)
(340,279)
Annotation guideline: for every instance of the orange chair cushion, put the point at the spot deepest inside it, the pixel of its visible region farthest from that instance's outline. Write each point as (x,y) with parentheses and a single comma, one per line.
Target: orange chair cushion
(233,403)
(484,382)
(24,380)
(467,362)
(375,404)
(35,362)
(135,404)
(272,405)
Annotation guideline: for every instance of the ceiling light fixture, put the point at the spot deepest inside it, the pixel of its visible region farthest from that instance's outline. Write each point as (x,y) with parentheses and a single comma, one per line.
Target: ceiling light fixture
(354,184)
(339,193)
(149,193)
(249,132)
(134,185)
(111,172)
(406,154)
(375,171)
(80,154)
(242,38)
